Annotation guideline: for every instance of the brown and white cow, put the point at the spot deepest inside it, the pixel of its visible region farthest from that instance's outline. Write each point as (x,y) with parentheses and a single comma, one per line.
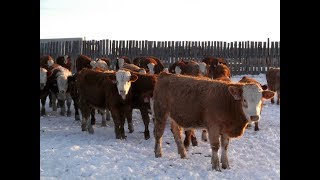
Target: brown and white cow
(121,61)
(83,61)
(273,80)
(153,64)
(44,90)
(64,61)
(212,63)
(46,61)
(223,108)
(103,90)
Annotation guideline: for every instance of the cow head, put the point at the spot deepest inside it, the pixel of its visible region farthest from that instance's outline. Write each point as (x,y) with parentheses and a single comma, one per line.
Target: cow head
(93,64)
(120,62)
(50,62)
(151,68)
(43,78)
(177,70)
(123,79)
(142,71)
(102,64)
(203,68)
(62,82)
(250,96)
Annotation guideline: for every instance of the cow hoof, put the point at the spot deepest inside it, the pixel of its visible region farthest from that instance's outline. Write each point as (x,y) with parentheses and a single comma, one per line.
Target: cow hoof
(68,113)
(84,127)
(217,168)
(225,166)
(157,155)
(146,135)
(256,128)
(77,117)
(130,128)
(62,113)
(43,113)
(90,130)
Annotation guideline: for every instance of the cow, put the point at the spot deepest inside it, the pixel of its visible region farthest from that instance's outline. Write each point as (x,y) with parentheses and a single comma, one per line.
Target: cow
(246,79)
(58,86)
(104,90)
(120,61)
(172,67)
(142,93)
(83,61)
(223,108)
(44,90)
(64,61)
(103,63)
(273,80)
(46,61)
(153,64)
(212,63)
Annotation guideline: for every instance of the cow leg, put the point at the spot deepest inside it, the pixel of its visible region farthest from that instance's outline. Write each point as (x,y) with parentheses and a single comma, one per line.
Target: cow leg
(62,107)
(117,119)
(107,115)
(54,99)
(146,120)
(204,135)
(103,118)
(69,100)
(86,122)
(76,110)
(256,126)
(159,126)
(224,147)
(194,138)
(215,145)
(187,138)
(272,100)
(43,103)
(278,97)
(93,118)
(177,134)
(128,113)
(50,100)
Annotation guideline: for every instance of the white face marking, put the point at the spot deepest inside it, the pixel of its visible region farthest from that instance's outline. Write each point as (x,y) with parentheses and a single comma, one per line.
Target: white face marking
(93,64)
(43,77)
(65,59)
(202,67)
(123,82)
(151,68)
(102,64)
(50,62)
(252,99)
(166,70)
(121,62)
(177,70)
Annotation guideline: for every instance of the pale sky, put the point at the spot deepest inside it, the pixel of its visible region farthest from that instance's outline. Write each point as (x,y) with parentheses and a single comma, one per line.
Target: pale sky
(161,20)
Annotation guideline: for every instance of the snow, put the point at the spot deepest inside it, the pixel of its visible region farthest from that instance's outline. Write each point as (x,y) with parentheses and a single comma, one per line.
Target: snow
(68,153)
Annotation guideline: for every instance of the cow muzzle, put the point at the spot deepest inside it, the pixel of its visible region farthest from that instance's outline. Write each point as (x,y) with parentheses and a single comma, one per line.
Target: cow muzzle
(62,95)
(122,94)
(254,118)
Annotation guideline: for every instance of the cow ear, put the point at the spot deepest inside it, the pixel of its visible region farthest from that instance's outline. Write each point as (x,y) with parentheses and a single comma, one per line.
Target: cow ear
(133,77)
(236,92)
(113,78)
(267,94)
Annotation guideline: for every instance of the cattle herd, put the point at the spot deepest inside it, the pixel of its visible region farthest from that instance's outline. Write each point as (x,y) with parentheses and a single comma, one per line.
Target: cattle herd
(191,94)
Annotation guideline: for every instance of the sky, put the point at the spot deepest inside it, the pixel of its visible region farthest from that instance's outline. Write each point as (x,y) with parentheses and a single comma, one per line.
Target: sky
(161,20)
(68,153)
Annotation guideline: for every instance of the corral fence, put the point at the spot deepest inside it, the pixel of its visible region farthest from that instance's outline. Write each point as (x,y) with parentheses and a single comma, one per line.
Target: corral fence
(243,57)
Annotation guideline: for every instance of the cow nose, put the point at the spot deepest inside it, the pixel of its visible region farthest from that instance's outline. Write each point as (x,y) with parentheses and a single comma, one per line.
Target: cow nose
(122,92)
(62,91)
(254,118)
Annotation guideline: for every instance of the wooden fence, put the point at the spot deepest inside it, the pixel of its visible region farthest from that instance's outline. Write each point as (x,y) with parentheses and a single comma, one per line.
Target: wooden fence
(243,57)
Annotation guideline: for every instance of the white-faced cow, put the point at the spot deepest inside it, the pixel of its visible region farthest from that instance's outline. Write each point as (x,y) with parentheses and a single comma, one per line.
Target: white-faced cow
(223,108)
(104,90)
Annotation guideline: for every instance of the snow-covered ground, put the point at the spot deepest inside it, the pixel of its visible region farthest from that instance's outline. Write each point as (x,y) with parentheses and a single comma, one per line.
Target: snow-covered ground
(68,153)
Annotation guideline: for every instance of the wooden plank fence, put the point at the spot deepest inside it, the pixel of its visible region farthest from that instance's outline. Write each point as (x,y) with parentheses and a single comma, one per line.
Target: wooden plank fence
(243,57)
